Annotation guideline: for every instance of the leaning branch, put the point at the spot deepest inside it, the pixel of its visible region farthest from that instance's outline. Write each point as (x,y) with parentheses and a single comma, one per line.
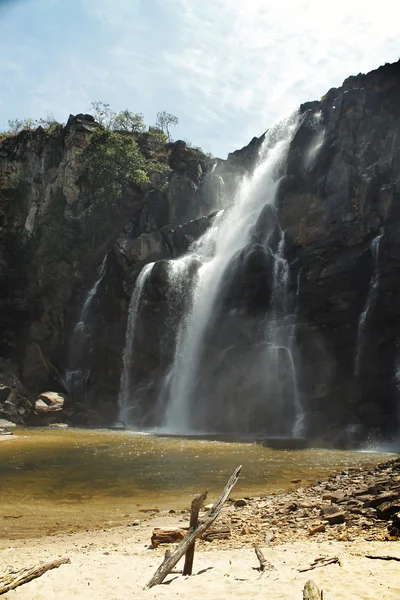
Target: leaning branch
(14,580)
(169,563)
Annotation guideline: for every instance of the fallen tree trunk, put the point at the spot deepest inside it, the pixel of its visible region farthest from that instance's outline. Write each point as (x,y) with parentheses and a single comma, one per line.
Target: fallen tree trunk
(197,503)
(13,580)
(169,563)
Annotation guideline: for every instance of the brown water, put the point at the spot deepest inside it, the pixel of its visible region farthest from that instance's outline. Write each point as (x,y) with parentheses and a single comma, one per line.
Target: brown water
(52,481)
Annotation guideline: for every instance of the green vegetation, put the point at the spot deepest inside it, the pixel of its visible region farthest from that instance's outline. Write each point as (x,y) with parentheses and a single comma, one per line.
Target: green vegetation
(123,121)
(110,165)
(49,124)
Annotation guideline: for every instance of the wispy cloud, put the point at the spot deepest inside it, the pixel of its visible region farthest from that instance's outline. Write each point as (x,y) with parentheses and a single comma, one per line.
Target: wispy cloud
(227,68)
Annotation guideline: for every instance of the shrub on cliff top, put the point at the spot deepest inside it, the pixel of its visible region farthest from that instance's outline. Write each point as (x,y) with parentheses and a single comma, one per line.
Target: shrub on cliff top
(110,165)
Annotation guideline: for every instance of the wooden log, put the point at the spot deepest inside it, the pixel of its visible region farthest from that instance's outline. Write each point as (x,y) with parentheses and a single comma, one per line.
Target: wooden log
(265,565)
(14,580)
(168,564)
(166,536)
(311,591)
(216,534)
(197,503)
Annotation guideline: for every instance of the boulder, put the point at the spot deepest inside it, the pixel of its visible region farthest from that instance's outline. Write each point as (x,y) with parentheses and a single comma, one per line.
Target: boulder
(49,402)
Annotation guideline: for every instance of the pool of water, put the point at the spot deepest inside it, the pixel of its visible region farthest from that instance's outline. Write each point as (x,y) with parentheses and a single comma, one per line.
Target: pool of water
(55,480)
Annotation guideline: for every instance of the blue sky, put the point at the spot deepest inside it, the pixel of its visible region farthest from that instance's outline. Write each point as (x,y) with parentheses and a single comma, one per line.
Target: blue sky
(226,68)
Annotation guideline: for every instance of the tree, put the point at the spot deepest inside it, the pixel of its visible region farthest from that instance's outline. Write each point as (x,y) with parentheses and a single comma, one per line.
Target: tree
(165,121)
(110,164)
(103,113)
(129,121)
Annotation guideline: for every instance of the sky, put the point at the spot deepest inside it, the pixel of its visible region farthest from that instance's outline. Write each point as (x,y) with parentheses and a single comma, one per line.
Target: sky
(226,68)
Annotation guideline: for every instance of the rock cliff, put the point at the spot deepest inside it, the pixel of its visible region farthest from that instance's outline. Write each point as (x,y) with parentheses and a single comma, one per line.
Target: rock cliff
(338,206)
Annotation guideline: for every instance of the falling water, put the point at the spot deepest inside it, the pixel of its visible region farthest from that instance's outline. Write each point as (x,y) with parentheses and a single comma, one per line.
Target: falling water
(370,301)
(229,234)
(79,368)
(134,306)
(280,331)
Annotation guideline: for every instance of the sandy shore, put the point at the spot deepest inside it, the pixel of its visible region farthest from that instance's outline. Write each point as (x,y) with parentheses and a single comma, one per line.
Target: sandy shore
(347,516)
(115,565)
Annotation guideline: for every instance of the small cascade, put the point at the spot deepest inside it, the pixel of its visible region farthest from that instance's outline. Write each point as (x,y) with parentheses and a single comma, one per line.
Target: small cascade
(133,312)
(80,345)
(229,234)
(369,304)
(280,334)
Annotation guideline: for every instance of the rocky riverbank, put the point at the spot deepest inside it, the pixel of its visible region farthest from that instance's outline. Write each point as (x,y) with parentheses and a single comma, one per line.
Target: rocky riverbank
(359,504)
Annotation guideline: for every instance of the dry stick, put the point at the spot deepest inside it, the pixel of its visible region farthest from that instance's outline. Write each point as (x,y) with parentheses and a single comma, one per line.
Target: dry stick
(13,580)
(169,563)
(265,565)
(321,562)
(383,557)
(197,503)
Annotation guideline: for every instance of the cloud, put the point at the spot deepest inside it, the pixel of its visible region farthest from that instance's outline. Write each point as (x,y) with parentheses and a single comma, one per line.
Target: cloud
(227,68)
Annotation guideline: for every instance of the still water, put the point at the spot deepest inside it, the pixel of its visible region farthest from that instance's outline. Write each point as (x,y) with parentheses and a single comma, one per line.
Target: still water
(52,481)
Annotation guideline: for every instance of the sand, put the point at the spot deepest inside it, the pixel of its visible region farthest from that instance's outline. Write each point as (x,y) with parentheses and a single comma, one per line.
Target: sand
(115,564)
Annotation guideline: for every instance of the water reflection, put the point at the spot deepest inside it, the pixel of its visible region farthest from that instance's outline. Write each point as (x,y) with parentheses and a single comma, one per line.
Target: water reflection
(80,477)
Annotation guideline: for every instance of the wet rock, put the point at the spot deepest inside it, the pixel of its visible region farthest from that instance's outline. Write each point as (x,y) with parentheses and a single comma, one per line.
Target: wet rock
(336,518)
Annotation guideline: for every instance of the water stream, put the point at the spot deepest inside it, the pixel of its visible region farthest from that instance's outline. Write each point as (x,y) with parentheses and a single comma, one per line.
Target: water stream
(80,346)
(369,304)
(124,404)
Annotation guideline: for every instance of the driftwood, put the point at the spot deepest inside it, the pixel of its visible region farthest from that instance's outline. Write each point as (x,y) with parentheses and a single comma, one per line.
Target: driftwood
(197,503)
(383,557)
(322,562)
(216,534)
(265,565)
(311,591)
(169,563)
(166,536)
(14,580)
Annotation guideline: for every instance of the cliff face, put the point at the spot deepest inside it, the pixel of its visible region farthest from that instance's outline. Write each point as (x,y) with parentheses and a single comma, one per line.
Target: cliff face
(338,206)
(52,243)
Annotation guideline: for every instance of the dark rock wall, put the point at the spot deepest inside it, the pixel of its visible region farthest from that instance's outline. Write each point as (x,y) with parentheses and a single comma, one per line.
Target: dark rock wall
(340,192)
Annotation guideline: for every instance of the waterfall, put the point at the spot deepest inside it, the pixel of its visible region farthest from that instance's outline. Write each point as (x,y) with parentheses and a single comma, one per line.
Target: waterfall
(230,232)
(80,347)
(370,302)
(133,312)
(280,331)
